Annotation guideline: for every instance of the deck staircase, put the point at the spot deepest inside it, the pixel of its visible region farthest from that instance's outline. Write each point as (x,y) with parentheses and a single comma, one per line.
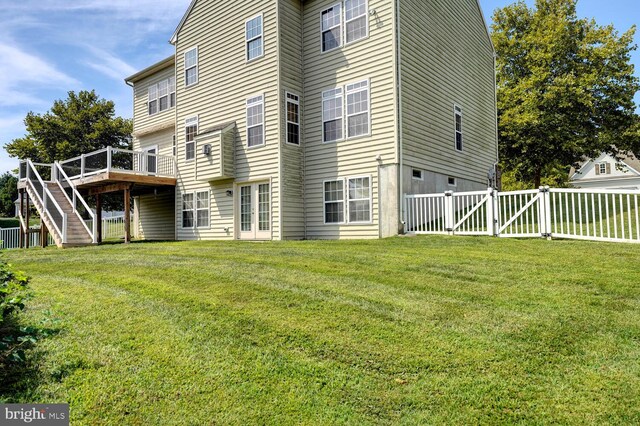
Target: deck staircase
(62,209)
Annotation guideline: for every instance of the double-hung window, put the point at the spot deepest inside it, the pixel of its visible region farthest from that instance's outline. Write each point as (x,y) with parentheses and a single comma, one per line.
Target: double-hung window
(293,119)
(255,121)
(190,132)
(358,109)
(334,201)
(162,95)
(202,209)
(254,38)
(332,115)
(355,20)
(347,205)
(458,120)
(191,67)
(332,27)
(152,100)
(187,210)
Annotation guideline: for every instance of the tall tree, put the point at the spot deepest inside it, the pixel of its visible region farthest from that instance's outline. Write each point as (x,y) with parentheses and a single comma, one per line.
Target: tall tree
(8,194)
(565,88)
(77,125)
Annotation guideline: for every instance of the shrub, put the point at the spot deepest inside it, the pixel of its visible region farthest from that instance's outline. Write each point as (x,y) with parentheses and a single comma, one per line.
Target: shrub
(13,294)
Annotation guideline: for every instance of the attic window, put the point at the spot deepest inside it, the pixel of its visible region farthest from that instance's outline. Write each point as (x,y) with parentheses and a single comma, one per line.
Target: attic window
(603,169)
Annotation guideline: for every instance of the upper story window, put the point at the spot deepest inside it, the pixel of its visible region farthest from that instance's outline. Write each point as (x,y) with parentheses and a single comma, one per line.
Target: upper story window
(356,22)
(332,115)
(255,121)
(191,67)
(357,109)
(254,38)
(190,132)
(162,96)
(458,120)
(603,169)
(293,119)
(332,27)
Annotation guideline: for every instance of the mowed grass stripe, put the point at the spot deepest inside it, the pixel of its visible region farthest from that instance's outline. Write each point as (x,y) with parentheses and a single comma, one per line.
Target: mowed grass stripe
(471,330)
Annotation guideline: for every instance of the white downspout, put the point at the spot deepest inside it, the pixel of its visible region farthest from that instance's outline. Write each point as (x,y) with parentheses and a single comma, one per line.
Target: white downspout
(400,125)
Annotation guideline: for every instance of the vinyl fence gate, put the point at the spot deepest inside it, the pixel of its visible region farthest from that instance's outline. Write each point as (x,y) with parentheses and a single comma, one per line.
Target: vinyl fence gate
(585,214)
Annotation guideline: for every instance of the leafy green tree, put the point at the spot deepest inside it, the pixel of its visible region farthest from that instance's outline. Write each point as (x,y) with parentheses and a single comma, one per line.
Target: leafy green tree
(77,125)
(565,89)
(8,194)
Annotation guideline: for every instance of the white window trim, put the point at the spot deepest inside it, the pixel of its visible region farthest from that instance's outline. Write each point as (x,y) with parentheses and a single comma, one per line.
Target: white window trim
(341,26)
(246,42)
(157,98)
(366,18)
(342,95)
(149,99)
(346,109)
(299,123)
(457,111)
(187,123)
(413,169)
(182,210)
(196,209)
(325,202)
(196,66)
(345,201)
(246,117)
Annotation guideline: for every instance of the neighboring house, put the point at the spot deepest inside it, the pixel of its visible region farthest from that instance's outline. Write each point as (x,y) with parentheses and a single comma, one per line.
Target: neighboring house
(607,173)
(309,119)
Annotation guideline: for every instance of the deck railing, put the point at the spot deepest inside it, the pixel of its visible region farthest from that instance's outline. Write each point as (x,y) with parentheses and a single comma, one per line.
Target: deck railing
(121,161)
(78,203)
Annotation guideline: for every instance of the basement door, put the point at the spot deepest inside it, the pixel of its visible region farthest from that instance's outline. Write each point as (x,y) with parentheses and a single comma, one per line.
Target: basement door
(255,211)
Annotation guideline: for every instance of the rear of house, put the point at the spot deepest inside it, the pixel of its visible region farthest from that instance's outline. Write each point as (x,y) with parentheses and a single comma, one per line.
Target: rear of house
(297,119)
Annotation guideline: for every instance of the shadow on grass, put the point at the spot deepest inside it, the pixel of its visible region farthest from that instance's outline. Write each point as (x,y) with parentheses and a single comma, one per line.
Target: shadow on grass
(20,374)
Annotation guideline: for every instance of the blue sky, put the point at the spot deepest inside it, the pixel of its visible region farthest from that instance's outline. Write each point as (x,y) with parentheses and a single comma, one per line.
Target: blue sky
(48,47)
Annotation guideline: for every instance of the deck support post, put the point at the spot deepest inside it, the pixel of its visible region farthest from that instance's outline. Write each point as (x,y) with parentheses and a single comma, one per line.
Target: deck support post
(127,215)
(27,235)
(98,218)
(44,234)
(21,233)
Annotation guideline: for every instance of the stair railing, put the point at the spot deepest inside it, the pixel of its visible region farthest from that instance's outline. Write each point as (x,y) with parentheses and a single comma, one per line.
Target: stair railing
(42,195)
(76,200)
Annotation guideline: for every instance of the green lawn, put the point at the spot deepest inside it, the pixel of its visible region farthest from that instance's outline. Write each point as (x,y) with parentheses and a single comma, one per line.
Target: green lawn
(405,331)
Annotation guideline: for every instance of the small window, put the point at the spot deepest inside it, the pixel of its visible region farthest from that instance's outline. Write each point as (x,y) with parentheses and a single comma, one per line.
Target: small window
(604,169)
(152,100)
(359,200)
(357,109)
(174,145)
(458,119)
(355,20)
(172,92)
(334,201)
(417,174)
(331,28)
(191,67)
(253,37)
(452,181)
(190,132)
(255,121)
(293,119)
(187,210)
(202,209)
(332,115)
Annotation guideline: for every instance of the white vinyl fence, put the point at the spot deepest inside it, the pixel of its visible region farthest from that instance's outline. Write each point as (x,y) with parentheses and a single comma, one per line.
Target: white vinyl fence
(112,227)
(587,214)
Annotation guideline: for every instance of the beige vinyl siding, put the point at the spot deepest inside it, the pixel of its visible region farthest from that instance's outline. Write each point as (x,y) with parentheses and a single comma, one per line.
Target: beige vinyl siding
(225,81)
(156,215)
(373,59)
(142,119)
(447,59)
(163,139)
(292,161)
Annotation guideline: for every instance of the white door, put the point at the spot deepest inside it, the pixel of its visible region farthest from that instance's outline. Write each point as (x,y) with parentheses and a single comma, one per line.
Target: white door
(151,161)
(254,211)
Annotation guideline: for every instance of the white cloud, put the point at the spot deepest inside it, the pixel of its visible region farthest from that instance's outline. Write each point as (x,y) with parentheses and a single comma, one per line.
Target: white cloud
(109,65)
(23,72)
